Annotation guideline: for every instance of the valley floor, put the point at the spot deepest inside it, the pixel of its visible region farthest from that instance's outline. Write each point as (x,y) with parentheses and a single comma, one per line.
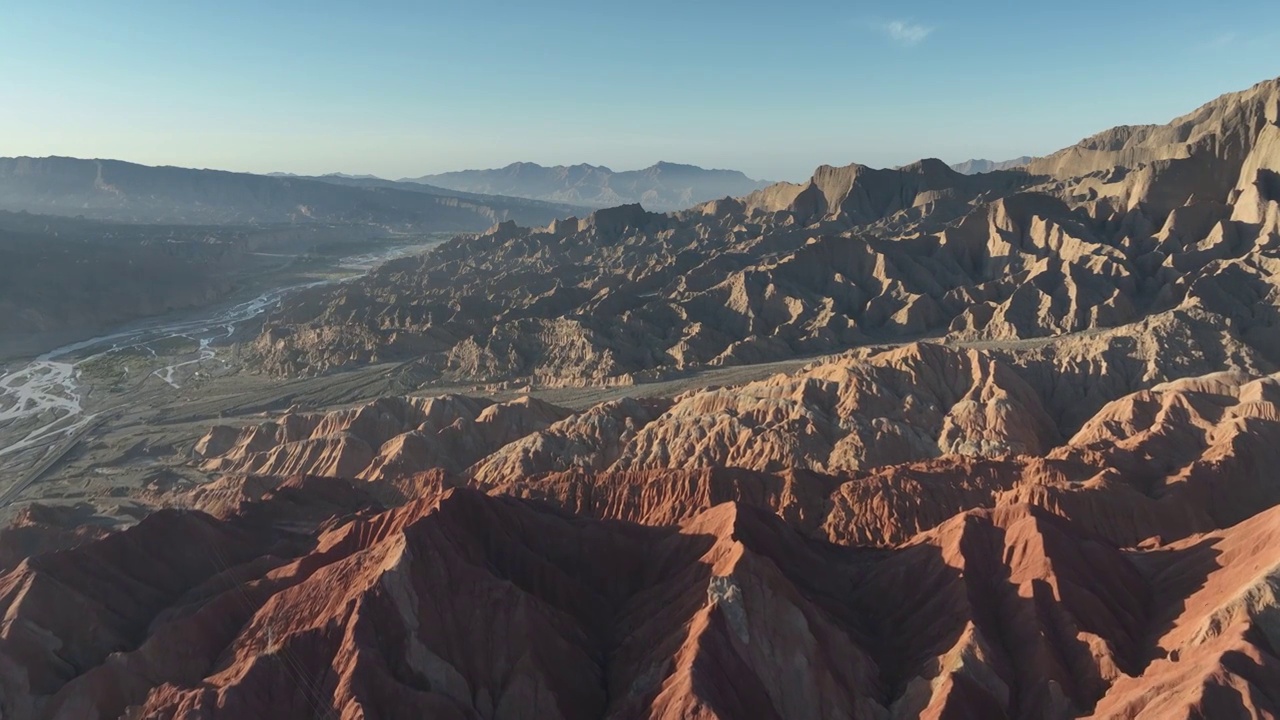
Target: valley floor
(77,405)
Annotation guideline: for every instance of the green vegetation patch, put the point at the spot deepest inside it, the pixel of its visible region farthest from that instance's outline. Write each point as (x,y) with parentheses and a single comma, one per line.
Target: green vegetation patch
(117,366)
(174,345)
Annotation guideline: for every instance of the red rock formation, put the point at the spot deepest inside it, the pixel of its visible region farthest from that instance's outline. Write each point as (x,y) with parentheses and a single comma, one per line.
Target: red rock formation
(868,451)
(1067,508)
(38,529)
(1212,642)
(466,605)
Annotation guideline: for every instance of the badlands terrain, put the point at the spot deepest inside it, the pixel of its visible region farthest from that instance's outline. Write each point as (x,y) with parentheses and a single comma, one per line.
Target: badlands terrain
(886,444)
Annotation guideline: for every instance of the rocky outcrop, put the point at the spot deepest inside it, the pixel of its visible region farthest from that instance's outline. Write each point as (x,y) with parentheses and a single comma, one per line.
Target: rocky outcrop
(1218,136)
(459,604)
(862,449)
(1124,228)
(390,437)
(848,413)
(591,440)
(862,195)
(919,402)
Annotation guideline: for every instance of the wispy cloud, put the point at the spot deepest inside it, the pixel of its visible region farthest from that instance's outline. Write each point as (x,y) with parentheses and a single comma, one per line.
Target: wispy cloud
(1221,40)
(905,33)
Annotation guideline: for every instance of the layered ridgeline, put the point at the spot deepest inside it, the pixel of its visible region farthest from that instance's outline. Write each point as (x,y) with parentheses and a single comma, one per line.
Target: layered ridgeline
(717,555)
(1169,227)
(120,191)
(1087,413)
(664,186)
(1061,505)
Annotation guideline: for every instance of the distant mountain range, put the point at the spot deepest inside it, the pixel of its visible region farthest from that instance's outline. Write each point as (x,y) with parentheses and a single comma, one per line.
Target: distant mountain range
(663,187)
(121,191)
(343,176)
(973,167)
(1121,226)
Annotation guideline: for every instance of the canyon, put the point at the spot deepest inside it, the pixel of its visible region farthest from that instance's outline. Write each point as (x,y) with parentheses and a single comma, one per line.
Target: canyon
(887,444)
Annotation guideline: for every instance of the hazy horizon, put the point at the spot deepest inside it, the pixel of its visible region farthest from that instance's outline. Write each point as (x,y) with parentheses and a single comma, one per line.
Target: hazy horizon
(401,90)
(883,443)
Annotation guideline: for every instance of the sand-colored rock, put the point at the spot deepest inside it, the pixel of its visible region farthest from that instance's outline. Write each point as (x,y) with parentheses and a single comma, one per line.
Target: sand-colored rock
(862,449)
(388,437)
(590,440)
(1121,229)
(918,402)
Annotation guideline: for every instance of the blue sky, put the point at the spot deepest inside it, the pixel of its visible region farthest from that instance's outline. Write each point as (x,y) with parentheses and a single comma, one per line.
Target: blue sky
(408,88)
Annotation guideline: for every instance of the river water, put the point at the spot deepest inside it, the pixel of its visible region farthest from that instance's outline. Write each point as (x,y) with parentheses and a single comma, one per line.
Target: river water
(42,401)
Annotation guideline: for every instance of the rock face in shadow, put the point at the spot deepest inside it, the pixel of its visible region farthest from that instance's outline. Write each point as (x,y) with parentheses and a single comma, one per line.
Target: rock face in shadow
(459,604)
